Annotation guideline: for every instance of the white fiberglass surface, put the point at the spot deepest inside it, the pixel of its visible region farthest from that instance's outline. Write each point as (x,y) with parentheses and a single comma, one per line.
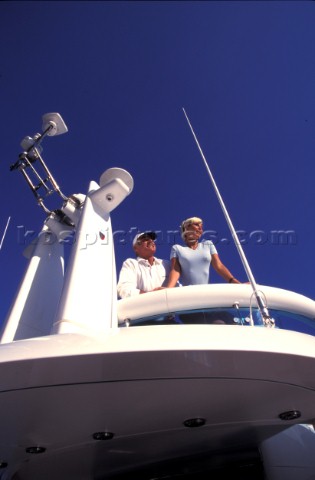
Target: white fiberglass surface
(230,316)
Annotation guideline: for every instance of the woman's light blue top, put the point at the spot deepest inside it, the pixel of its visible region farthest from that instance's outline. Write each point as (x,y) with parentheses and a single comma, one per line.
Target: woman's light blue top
(195,264)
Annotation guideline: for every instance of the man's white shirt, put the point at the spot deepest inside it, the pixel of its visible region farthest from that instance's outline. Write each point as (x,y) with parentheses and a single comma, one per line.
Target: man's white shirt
(137,274)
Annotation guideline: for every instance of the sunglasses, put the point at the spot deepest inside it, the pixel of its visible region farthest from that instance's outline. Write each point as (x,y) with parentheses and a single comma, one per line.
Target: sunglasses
(145,239)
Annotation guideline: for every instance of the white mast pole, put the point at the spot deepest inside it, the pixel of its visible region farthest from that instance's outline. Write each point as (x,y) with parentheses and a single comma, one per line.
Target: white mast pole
(268,321)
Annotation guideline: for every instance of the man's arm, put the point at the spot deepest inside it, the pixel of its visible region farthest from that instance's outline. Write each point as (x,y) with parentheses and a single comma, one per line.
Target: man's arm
(127,283)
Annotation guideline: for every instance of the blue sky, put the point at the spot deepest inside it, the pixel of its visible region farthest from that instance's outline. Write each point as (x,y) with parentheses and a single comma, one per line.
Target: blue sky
(119,73)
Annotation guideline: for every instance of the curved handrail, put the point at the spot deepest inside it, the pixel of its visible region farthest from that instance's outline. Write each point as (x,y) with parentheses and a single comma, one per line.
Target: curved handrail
(193,297)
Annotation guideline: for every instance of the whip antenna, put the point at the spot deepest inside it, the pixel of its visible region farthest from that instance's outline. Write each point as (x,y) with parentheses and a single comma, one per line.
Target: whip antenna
(268,321)
(5,231)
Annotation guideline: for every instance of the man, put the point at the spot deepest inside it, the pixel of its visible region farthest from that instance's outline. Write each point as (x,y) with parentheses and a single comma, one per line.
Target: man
(146,273)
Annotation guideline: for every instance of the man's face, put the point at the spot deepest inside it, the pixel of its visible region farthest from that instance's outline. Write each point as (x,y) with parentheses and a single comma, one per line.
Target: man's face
(145,247)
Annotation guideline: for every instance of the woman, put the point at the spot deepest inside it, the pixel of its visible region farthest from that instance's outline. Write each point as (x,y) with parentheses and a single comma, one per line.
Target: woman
(192,262)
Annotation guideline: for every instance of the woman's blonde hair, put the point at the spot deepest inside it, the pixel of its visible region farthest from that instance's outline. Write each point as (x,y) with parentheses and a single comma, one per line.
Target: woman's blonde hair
(186,223)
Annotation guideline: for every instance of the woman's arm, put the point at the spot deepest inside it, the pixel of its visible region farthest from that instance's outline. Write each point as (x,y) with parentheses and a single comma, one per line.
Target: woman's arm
(174,273)
(221,269)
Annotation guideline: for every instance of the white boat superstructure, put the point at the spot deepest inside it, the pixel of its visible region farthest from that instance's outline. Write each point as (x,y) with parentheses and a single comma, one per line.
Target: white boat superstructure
(177,383)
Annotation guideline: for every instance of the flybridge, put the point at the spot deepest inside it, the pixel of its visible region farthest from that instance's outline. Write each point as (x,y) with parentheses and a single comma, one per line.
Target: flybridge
(185,357)
(86,216)
(66,296)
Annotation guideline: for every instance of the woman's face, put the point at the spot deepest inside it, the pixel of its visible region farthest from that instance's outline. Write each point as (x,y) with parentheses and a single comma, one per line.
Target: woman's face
(193,231)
